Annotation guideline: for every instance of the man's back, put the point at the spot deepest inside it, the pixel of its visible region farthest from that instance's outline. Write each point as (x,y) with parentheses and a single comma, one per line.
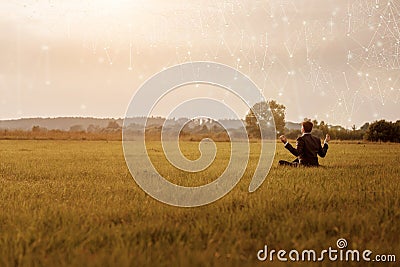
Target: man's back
(308,149)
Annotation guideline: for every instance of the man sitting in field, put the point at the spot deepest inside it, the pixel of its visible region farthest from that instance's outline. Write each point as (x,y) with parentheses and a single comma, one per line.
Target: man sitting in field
(308,147)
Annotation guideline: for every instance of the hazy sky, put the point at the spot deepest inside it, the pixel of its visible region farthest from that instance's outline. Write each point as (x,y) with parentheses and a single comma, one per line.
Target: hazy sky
(333,60)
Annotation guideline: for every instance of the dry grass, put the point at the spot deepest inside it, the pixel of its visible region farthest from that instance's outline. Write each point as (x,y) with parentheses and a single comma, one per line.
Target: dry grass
(74,203)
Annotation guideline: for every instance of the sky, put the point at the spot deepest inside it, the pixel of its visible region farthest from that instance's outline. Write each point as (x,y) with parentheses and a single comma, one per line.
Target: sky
(332,60)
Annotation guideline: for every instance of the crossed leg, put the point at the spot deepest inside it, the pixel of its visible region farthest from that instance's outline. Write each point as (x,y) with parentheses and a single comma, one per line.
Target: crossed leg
(294,163)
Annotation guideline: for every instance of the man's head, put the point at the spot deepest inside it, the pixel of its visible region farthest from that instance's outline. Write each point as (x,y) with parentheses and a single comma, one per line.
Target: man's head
(306,126)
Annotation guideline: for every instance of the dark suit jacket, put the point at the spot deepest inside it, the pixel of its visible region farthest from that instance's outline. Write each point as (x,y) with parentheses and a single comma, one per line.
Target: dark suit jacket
(308,147)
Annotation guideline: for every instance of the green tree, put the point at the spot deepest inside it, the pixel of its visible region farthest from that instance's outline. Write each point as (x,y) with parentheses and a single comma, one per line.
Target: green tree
(262,114)
(381,131)
(323,127)
(315,122)
(396,132)
(252,127)
(365,127)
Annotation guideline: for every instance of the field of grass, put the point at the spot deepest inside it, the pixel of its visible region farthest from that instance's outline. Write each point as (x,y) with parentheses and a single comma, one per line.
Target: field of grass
(74,203)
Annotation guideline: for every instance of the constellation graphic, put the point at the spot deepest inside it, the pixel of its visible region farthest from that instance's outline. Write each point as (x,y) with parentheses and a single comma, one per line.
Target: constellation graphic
(381,48)
(344,53)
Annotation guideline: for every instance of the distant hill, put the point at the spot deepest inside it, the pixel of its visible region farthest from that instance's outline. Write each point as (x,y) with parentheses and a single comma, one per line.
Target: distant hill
(293,125)
(65,123)
(54,123)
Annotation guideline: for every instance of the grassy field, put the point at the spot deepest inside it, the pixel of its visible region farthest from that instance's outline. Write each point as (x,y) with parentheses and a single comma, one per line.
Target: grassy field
(74,203)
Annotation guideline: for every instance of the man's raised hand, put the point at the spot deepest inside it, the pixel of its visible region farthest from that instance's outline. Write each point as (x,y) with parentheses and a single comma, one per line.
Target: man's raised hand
(283,139)
(327,138)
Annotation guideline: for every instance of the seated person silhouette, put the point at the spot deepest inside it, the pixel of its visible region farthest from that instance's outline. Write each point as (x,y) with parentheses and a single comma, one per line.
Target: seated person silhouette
(308,147)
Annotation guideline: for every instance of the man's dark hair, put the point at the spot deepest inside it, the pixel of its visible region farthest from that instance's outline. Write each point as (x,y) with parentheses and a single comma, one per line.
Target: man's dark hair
(307,125)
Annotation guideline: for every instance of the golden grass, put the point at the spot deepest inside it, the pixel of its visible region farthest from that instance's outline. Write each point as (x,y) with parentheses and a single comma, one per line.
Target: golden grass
(74,203)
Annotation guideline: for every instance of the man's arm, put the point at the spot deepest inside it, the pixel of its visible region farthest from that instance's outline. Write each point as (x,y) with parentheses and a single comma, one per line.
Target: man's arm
(294,151)
(324,149)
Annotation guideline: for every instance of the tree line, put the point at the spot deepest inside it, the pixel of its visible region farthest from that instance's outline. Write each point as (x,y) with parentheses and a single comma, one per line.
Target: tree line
(263,113)
(260,118)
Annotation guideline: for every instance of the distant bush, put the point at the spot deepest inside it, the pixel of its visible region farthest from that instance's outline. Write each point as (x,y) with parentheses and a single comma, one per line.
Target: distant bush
(384,131)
